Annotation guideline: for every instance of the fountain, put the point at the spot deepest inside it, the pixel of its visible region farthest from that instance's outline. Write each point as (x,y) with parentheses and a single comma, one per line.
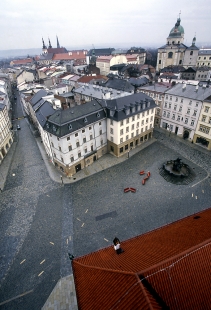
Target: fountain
(177,172)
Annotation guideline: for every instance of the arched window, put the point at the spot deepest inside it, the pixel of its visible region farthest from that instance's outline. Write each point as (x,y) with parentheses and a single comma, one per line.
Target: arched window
(191,53)
(170,55)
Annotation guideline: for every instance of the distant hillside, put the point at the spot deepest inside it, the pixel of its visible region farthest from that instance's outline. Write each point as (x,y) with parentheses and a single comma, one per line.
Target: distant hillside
(20,53)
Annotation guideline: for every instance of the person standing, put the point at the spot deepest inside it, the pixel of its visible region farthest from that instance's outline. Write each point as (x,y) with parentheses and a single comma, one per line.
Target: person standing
(117,246)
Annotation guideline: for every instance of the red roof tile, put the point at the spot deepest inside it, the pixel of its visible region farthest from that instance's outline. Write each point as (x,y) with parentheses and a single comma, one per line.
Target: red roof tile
(88,78)
(174,262)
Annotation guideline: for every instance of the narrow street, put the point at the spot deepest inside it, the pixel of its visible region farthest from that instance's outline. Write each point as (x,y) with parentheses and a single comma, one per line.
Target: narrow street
(31,225)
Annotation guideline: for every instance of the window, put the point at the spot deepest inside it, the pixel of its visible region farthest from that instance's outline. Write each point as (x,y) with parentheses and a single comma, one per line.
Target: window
(101,131)
(62,159)
(71,159)
(164,113)
(111,131)
(203,118)
(190,103)
(176,99)
(159,62)
(99,123)
(138,116)
(79,154)
(188,111)
(180,109)
(127,121)
(121,132)
(175,107)
(197,104)
(147,120)
(168,114)
(112,139)
(70,147)
(170,97)
(58,138)
(194,112)
(60,148)
(170,55)
(173,116)
(127,129)
(127,137)
(178,118)
(121,140)
(84,140)
(52,144)
(90,128)
(133,118)
(192,122)
(169,105)
(132,134)
(137,124)
(166,96)
(186,120)
(121,150)
(85,150)
(83,130)
(77,144)
(121,123)
(206,109)
(68,138)
(126,147)
(76,134)
(151,119)
(146,128)
(132,127)
(85,120)
(210,120)
(148,112)
(91,137)
(142,129)
(111,122)
(191,52)
(137,132)
(165,105)
(143,114)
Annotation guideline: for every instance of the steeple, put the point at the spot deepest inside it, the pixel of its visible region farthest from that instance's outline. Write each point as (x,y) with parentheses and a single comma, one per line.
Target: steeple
(43,44)
(50,46)
(194,41)
(57,40)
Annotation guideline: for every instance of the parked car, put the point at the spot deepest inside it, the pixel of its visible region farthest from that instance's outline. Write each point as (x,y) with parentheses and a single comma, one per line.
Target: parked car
(18,127)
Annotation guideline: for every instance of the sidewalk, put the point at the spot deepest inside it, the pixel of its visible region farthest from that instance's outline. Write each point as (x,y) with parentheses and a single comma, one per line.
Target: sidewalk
(104,162)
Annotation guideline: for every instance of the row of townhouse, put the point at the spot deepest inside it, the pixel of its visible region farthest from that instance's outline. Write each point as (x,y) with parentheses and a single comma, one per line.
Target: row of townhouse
(184,110)
(6,137)
(74,138)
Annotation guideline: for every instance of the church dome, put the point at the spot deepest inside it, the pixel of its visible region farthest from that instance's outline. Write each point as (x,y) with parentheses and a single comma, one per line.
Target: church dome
(177,30)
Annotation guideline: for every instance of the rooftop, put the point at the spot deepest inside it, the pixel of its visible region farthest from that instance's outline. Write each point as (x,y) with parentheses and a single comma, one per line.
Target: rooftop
(167,267)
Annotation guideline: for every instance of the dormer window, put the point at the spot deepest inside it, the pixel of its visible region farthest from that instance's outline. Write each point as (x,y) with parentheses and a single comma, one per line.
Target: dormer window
(54,128)
(98,114)
(70,127)
(47,125)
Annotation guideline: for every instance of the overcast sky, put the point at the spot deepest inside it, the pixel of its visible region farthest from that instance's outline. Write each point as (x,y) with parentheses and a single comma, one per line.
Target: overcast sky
(109,23)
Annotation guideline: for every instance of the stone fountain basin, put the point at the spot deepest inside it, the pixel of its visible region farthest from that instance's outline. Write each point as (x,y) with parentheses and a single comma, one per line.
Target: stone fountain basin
(184,170)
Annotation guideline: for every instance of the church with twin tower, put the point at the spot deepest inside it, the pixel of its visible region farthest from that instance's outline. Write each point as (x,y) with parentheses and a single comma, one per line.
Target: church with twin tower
(175,52)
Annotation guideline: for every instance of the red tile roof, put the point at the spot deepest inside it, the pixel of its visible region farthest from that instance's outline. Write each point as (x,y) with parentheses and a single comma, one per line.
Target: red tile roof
(67,56)
(88,78)
(169,266)
(22,61)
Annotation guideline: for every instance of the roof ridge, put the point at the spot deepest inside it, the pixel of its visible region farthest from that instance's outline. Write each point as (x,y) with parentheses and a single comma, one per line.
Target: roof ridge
(182,254)
(105,269)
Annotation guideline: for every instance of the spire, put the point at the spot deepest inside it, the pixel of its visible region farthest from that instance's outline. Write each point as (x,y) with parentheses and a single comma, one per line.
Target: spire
(43,44)
(57,40)
(194,41)
(50,46)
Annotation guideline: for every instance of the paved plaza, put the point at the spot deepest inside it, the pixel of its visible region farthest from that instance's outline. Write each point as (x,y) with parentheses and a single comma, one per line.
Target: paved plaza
(42,220)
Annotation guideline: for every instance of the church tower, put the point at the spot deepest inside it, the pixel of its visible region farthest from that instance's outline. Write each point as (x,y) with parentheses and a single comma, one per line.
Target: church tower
(57,40)
(172,53)
(49,46)
(44,47)
(191,55)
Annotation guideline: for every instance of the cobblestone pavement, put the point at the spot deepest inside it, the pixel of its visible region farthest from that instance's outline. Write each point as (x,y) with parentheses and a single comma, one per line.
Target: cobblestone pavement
(102,210)
(41,220)
(31,216)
